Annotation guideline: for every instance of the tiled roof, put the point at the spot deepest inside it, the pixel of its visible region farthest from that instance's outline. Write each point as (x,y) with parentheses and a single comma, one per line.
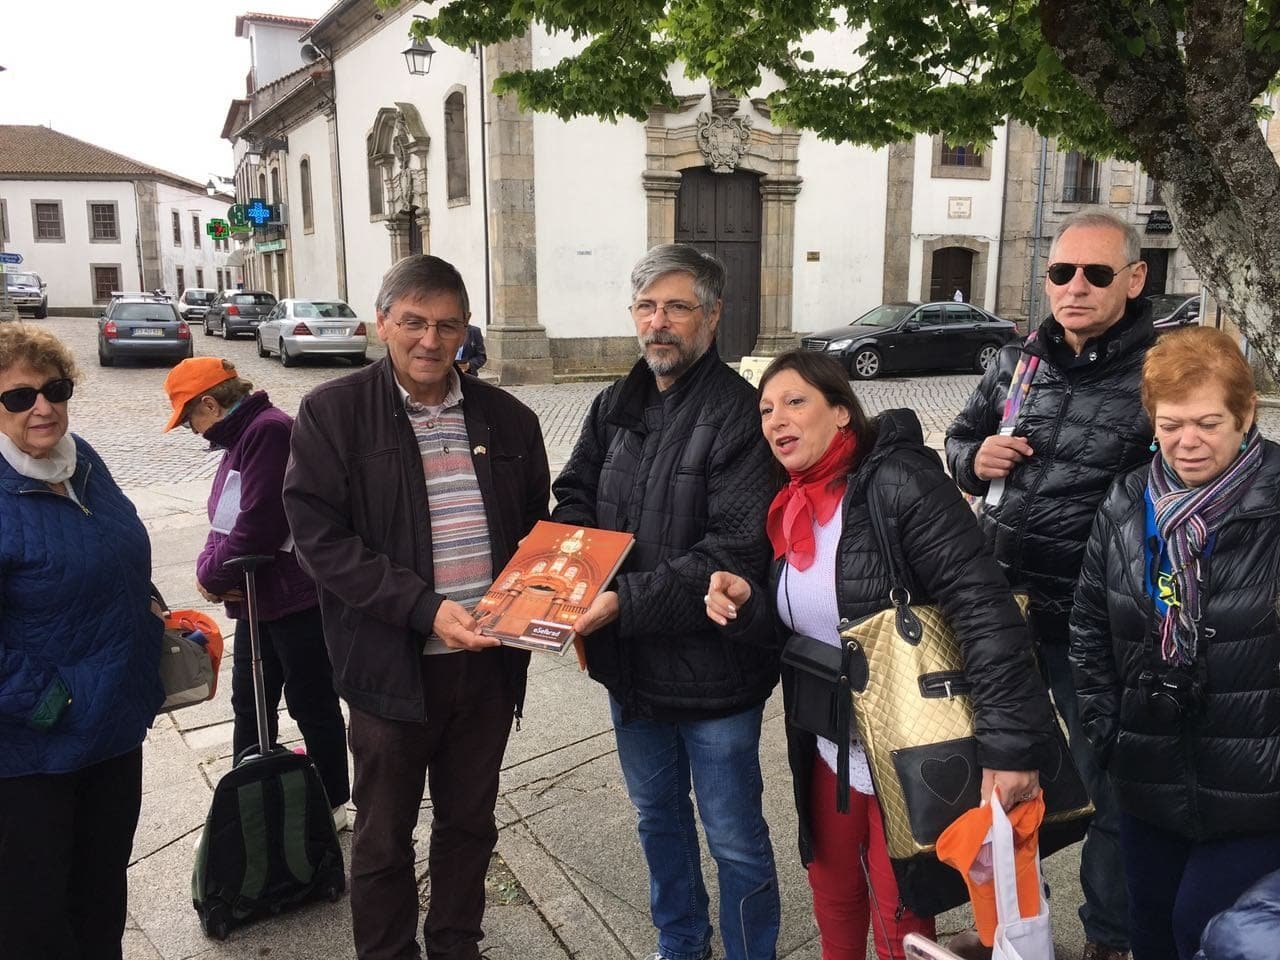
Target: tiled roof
(272,18)
(40,153)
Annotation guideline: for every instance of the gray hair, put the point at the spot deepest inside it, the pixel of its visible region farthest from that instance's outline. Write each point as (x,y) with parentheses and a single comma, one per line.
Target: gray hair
(419,276)
(708,273)
(1099,217)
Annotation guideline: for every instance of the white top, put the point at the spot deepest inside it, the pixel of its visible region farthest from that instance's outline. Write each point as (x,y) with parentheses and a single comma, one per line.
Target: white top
(807,604)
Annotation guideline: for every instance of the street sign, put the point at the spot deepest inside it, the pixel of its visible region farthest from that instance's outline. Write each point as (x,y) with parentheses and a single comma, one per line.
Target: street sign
(11,258)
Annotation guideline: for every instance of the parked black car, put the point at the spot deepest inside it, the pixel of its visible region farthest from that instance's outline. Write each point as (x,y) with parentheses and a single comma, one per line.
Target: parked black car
(1169,311)
(142,326)
(238,311)
(895,337)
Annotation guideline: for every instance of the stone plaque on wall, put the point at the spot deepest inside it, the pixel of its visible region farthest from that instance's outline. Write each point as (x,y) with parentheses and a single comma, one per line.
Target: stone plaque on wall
(959,208)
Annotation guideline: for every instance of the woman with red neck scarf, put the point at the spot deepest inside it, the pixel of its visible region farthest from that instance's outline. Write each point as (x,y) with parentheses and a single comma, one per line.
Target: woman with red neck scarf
(829,569)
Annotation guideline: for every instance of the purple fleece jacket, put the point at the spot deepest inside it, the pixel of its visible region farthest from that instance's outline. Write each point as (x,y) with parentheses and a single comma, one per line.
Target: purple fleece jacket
(255,435)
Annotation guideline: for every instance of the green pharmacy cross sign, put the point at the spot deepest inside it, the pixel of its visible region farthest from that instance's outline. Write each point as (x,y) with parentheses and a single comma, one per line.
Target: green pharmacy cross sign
(218,229)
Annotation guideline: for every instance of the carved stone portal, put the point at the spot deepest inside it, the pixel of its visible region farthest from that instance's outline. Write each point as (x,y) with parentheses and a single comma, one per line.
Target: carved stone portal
(723,140)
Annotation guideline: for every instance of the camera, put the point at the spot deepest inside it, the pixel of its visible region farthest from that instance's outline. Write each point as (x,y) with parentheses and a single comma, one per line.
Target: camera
(1171,695)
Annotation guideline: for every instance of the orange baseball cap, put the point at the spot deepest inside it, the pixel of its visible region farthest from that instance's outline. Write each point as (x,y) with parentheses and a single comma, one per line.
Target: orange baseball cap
(192,377)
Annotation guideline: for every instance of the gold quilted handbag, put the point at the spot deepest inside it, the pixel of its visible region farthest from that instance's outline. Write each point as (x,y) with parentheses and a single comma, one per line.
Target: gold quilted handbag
(914,716)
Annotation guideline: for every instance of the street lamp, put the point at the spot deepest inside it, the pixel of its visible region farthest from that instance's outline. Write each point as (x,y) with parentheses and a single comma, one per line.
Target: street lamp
(253,157)
(417,56)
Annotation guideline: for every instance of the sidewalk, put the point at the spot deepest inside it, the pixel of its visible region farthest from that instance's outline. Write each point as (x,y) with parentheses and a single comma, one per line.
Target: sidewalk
(568,879)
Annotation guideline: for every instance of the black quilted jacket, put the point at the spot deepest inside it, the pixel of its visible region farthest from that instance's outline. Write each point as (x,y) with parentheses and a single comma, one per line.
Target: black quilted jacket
(686,471)
(1086,426)
(1218,774)
(950,566)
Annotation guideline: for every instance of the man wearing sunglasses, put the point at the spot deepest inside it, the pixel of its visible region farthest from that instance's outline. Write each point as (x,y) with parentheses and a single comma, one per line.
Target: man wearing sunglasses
(1051,424)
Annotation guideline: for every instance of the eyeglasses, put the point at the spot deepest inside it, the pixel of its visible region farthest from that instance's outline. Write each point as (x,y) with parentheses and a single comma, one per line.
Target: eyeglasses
(677,311)
(22,399)
(446,329)
(1098,274)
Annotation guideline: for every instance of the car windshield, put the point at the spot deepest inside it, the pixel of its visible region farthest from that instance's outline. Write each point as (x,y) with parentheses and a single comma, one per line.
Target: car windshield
(885,315)
(199,296)
(254,300)
(150,312)
(1163,304)
(22,279)
(323,310)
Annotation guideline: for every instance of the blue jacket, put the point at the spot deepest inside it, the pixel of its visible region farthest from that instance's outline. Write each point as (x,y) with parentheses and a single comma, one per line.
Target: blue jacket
(1248,930)
(79,646)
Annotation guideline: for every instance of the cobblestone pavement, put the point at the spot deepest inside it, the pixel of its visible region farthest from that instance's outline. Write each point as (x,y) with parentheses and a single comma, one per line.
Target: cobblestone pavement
(121,410)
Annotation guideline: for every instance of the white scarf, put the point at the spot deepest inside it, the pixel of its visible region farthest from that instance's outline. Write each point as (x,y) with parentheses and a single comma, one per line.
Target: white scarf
(57,467)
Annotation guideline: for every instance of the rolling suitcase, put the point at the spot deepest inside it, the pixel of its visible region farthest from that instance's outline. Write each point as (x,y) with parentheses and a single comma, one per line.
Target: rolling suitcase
(269,841)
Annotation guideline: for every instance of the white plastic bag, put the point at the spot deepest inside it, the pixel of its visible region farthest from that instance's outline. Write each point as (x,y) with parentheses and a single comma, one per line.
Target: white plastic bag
(1017,938)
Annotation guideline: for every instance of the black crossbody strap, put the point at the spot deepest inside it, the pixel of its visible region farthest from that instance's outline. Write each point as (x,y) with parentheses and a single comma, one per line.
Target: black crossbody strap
(885,526)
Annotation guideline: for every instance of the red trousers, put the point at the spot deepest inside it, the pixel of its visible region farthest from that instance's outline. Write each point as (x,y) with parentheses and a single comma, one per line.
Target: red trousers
(847,847)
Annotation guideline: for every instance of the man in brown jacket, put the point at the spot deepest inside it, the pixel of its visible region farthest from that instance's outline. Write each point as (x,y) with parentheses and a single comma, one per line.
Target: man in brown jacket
(408,489)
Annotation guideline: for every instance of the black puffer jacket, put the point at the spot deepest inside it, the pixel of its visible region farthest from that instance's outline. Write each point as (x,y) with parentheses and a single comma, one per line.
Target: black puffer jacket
(1086,426)
(1218,774)
(950,566)
(686,471)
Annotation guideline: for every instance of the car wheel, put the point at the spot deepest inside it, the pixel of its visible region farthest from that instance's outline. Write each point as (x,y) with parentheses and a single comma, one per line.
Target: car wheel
(42,311)
(358,359)
(987,354)
(208,330)
(287,359)
(226,332)
(865,363)
(262,351)
(105,360)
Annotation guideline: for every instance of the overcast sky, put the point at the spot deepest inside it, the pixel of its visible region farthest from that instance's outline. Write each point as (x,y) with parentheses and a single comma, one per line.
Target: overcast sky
(151,79)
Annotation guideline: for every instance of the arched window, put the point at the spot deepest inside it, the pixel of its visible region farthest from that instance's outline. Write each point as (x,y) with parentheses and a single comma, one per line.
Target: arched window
(275,185)
(304,177)
(455,146)
(375,182)
(262,188)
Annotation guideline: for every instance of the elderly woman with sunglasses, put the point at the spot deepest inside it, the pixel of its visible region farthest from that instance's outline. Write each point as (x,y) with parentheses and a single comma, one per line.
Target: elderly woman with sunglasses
(1174,646)
(80,644)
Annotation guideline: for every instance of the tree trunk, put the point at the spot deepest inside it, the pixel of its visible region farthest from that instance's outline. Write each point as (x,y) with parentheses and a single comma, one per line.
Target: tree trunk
(1186,106)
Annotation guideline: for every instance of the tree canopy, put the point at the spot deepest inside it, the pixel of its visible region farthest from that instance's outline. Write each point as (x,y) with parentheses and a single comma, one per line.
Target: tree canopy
(1173,84)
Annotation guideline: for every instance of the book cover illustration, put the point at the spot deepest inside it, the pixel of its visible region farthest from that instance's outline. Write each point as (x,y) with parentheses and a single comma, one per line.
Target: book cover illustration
(557,571)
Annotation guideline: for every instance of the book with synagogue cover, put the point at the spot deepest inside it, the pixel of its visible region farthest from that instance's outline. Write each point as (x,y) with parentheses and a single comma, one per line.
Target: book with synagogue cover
(557,571)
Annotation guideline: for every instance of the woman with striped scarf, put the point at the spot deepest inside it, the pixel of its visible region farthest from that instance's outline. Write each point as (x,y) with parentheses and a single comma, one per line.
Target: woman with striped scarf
(1175,646)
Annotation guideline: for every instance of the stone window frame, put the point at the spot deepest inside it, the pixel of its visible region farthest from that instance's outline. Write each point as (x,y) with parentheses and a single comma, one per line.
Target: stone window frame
(456,167)
(195,230)
(1062,185)
(4,220)
(940,171)
(180,280)
(377,189)
(275,185)
(304,186)
(93,280)
(35,222)
(115,220)
(981,250)
(175,217)
(200,278)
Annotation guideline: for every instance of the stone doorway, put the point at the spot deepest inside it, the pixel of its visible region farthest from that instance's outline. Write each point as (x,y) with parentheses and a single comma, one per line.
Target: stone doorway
(720,213)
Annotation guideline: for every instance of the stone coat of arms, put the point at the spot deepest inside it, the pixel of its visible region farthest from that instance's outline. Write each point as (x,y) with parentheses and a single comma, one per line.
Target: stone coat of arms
(723,140)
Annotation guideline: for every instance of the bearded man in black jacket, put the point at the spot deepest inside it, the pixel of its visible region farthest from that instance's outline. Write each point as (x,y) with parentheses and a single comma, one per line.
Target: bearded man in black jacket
(1052,423)
(673,453)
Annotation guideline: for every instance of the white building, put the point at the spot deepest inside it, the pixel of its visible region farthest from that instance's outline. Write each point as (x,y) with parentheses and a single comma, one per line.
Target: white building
(545,218)
(90,221)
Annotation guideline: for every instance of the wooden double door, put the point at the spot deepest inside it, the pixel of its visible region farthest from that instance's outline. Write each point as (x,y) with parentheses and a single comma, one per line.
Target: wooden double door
(720,213)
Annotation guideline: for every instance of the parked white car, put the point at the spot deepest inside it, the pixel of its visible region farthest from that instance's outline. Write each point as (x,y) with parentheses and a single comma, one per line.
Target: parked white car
(194,304)
(298,328)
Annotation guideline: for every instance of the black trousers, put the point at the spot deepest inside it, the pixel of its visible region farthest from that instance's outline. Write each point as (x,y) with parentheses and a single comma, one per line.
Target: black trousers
(65,841)
(294,659)
(457,749)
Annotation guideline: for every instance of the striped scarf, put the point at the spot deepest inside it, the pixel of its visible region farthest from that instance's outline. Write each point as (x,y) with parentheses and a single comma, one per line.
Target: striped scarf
(1019,386)
(1186,518)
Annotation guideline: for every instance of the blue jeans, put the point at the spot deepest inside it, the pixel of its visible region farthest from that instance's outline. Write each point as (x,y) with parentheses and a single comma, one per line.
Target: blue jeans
(1105,911)
(1176,885)
(721,758)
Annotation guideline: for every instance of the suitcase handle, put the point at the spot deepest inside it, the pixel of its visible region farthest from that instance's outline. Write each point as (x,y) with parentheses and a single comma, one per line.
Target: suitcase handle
(247,565)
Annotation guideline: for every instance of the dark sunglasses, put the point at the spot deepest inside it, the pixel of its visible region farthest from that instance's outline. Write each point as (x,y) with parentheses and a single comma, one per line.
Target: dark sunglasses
(22,399)
(1098,274)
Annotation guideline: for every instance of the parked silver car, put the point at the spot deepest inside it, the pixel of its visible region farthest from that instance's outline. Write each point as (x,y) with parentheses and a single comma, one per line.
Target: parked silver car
(296,328)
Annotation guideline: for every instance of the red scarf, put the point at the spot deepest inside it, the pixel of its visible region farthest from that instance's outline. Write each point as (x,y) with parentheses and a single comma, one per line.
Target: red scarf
(809,498)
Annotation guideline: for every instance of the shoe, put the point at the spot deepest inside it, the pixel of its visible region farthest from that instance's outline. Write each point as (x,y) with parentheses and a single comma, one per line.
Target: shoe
(969,946)
(657,955)
(1100,951)
(340,820)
